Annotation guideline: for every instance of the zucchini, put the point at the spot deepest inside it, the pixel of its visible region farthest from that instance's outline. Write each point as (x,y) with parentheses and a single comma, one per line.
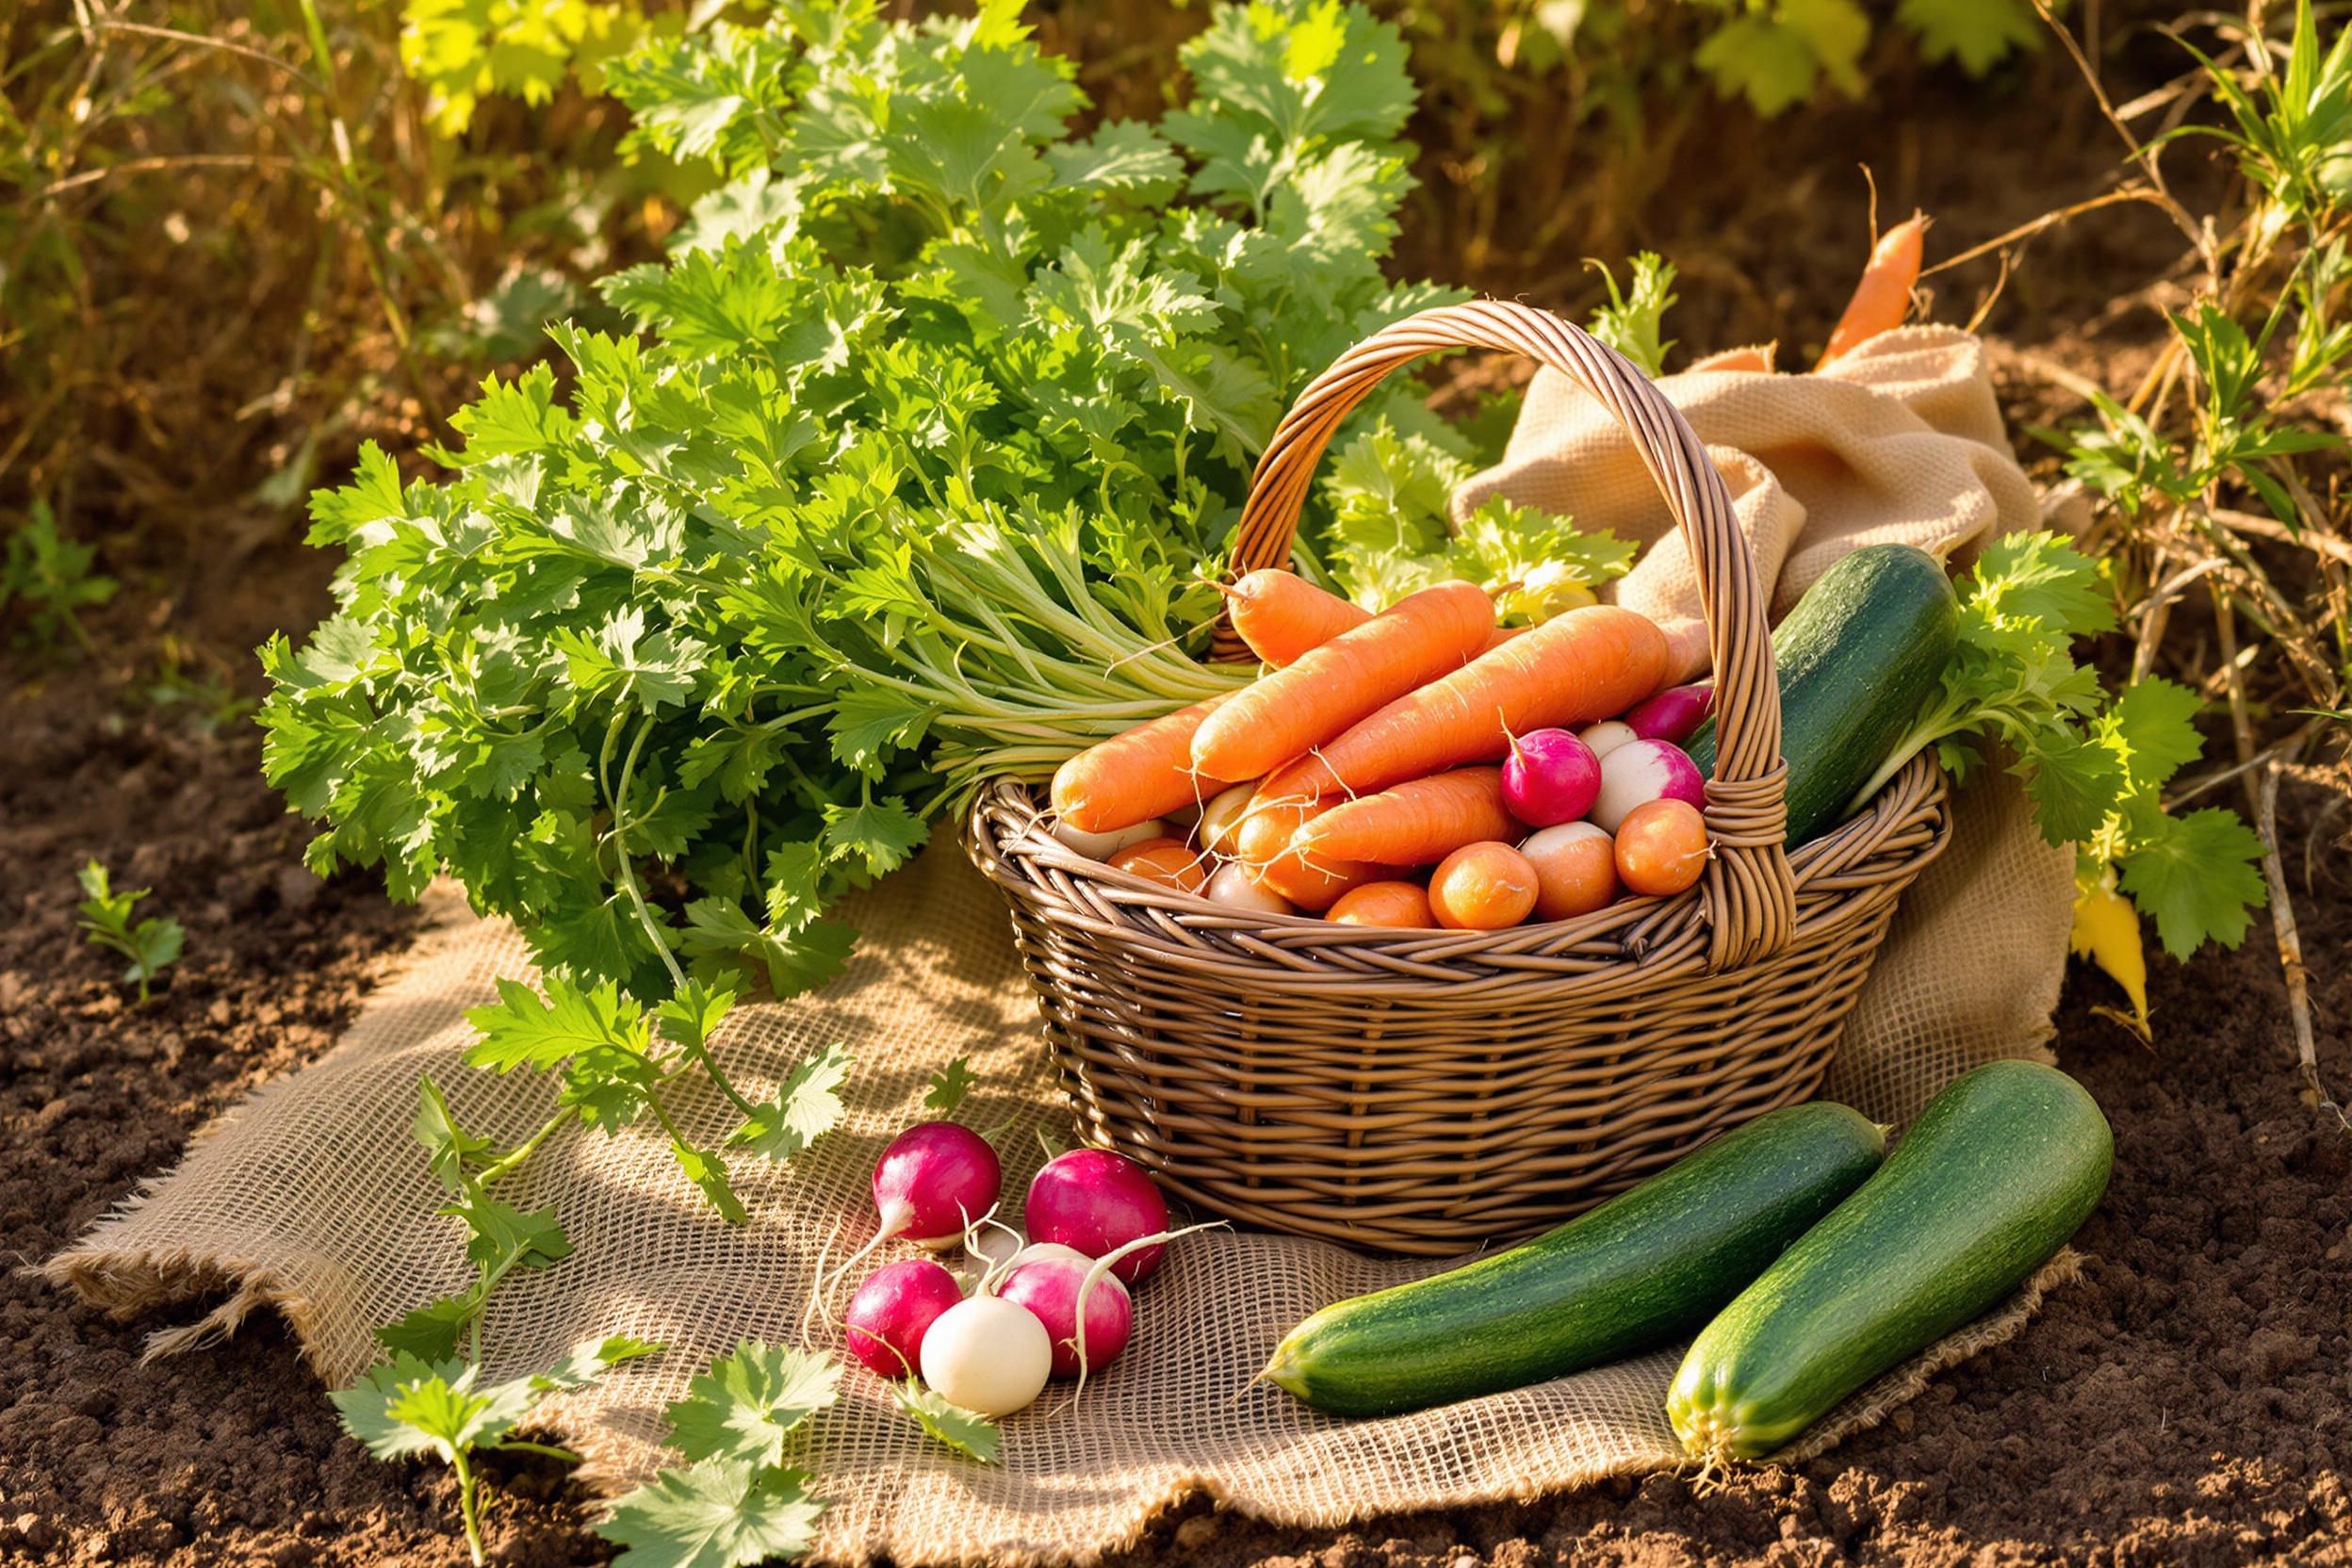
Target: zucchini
(1999,1170)
(1857,659)
(1642,1270)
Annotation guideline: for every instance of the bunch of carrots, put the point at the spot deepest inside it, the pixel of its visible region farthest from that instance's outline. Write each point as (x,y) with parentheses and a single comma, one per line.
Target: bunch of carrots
(1414,768)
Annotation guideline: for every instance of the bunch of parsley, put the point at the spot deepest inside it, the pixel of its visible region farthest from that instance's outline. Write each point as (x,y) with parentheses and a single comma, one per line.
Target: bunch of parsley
(913,469)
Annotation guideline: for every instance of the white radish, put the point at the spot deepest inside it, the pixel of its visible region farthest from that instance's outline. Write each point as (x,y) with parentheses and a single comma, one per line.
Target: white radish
(1641,770)
(1606,736)
(1233,887)
(1221,817)
(1102,846)
(989,1355)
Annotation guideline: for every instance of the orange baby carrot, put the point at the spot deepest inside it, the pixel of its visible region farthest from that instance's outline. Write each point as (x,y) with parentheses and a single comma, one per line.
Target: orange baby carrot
(1310,881)
(1284,617)
(1883,298)
(1132,778)
(1414,823)
(1404,905)
(1482,888)
(1579,666)
(1289,712)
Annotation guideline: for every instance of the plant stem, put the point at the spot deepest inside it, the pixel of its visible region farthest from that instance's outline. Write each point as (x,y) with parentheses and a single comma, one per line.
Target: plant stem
(468,1503)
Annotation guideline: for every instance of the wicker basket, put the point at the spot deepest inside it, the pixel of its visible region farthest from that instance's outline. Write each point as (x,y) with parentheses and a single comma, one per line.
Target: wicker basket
(1433,1092)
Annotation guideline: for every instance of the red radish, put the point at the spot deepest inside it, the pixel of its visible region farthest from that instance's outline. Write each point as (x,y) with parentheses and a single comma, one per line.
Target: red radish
(1662,847)
(1575,870)
(1102,846)
(892,1311)
(1098,1202)
(1551,777)
(1049,1284)
(989,1355)
(1606,736)
(1673,714)
(930,1184)
(1643,771)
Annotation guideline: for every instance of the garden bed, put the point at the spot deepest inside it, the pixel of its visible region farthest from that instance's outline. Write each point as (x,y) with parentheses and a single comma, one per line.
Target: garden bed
(2183,1403)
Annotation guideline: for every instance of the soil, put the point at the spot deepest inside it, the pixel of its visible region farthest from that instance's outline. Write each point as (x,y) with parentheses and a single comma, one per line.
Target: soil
(2188,1402)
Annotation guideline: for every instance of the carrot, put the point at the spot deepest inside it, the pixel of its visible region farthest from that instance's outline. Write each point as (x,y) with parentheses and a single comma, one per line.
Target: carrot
(1282,616)
(1579,666)
(1310,881)
(1404,905)
(1413,824)
(1281,715)
(1132,778)
(1482,887)
(1883,298)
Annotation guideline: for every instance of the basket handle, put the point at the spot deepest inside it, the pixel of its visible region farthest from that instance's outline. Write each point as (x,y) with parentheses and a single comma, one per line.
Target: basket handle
(1749,895)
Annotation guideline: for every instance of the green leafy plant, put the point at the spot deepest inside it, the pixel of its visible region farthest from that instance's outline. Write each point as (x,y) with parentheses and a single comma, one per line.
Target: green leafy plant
(2094,765)
(462,51)
(151,945)
(934,431)
(736,1502)
(410,1407)
(46,578)
(1777,54)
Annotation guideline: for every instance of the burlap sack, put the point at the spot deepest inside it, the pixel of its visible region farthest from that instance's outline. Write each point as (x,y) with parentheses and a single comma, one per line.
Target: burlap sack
(1901,441)
(310,1198)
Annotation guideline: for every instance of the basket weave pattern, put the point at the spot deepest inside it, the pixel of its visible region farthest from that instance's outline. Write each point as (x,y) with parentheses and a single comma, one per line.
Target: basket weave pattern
(1433,1092)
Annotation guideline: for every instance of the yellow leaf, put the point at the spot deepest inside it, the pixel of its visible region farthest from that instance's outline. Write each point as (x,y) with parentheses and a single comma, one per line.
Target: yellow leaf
(2107,931)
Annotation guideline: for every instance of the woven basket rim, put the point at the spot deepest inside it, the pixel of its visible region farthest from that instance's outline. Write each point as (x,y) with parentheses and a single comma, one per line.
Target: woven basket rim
(1655,936)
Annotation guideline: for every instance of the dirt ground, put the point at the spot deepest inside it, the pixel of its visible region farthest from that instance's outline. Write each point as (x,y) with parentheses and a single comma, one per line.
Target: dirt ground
(2188,1402)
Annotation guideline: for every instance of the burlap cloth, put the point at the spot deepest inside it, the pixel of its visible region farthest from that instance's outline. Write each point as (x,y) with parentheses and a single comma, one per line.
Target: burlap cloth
(310,1197)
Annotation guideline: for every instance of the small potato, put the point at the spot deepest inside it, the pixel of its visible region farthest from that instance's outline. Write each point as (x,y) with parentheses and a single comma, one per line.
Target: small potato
(1102,846)
(1233,887)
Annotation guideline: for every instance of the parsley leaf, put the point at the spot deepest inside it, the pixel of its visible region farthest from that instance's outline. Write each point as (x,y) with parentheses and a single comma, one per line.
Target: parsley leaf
(949,1085)
(807,1106)
(750,1401)
(959,1429)
(719,1515)
(152,945)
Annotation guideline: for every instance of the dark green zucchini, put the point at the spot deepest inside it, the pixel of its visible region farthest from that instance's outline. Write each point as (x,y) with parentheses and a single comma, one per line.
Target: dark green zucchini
(1643,1268)
(1858,658)
(1999,1170)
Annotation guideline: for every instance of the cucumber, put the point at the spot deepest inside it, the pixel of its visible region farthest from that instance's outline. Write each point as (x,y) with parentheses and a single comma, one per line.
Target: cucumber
(1999,1170)
(1642,1270)
(1857,659)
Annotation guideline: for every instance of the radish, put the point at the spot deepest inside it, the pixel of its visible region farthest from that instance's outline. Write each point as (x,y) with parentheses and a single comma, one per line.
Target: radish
(1102,846)
(1048,1282)
(893,1310)
(1606,736)
(1672,715)
(1551,777)
(1643,771)
(1233,887)
(989,1355)
(1098,1202)
(1221,817)
(933,1182)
